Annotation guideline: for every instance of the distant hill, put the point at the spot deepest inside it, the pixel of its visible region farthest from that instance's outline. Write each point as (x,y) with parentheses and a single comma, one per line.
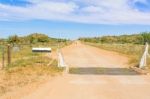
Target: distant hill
(135,39)
(31,39)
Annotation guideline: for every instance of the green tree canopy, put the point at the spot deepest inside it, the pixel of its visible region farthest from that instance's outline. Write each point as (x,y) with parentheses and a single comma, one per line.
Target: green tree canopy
(14,39)
(37,37)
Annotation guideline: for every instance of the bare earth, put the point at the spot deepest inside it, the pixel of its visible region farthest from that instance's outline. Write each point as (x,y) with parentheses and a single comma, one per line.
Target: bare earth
(94,74)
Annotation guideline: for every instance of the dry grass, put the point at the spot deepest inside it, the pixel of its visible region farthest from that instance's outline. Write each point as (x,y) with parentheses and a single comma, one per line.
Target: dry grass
(27,67)
(25,50)
(23,72)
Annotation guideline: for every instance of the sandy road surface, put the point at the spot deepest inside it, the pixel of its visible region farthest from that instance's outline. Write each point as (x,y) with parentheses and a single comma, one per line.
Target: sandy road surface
(94,74)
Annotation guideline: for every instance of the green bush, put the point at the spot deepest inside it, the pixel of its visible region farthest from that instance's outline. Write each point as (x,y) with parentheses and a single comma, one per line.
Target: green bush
(133,39)
(146,37)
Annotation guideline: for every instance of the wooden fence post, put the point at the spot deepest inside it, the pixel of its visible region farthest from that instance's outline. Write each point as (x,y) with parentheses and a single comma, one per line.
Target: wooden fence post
(9,54)
(3,58)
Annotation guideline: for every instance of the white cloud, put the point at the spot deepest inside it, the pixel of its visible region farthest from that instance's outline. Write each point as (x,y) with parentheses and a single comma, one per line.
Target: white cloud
(93,9)
(85,11)
(142,1)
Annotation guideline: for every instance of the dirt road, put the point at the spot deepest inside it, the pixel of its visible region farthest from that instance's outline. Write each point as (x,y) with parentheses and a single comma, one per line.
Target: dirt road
(94,74)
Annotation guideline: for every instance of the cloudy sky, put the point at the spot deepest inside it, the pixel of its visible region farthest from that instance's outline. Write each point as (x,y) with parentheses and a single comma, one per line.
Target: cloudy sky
(74,18)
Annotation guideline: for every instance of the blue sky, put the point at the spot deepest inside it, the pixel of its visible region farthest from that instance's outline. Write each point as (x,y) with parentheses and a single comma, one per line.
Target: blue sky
(74,18)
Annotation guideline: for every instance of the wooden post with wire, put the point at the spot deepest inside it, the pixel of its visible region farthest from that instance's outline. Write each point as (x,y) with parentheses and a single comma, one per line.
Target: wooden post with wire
(8,54)
(3,58)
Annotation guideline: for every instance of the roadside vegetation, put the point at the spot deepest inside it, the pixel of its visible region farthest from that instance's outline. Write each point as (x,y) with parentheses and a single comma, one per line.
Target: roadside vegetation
(122,39)
(27,72)
(130,45)
(27,67)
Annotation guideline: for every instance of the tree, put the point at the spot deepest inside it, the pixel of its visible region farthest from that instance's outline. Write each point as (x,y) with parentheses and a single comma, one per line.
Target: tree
(37,37)
(13,39)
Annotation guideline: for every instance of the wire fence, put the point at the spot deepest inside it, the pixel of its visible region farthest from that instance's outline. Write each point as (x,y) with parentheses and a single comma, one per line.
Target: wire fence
(22,55)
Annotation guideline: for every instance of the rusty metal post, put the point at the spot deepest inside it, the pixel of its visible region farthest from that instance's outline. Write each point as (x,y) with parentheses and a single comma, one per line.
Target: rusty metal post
(9,54)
